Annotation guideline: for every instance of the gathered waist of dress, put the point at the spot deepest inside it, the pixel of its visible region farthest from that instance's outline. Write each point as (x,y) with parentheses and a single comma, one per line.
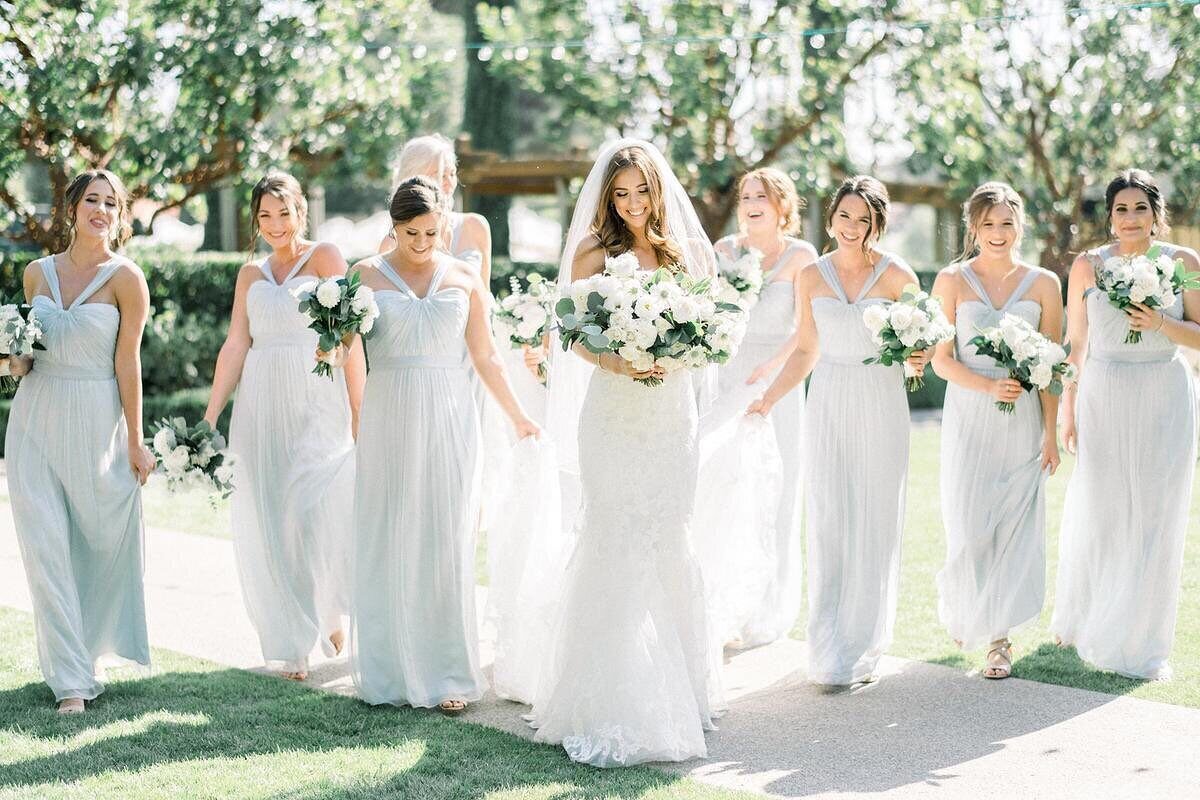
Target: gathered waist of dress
(417,362)
(276,342)
(844,361)
(987,370)
(72,373)
(1133,356)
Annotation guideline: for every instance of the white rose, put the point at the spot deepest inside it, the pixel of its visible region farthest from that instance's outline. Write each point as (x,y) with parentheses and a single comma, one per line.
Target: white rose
(1053,353)
(875,317)
(695,358)
(1024,349)
(164,441)
(900,315)
(527,329)
(329,293)
(177,459)
(910,337)
(224,474)
(204,454)
(685,309)
(623,266)
(364,296)
(1040,375)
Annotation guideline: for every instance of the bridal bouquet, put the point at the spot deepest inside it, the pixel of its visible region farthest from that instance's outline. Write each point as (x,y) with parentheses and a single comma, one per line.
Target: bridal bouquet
(914,322)
(740,281)
(1030,358)
(336,308)
(650,318)
(524,316)
(193,455)
(1151,279)
(20,334)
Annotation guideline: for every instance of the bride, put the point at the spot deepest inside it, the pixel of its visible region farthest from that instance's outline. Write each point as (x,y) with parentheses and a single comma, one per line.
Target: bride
(630,676)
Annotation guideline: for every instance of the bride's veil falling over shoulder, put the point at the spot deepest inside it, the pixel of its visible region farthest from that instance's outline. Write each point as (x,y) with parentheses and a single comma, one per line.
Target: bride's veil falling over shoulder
(569,374)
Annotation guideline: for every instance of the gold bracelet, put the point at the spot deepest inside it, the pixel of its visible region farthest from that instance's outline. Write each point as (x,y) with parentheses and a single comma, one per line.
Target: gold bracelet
(598,357)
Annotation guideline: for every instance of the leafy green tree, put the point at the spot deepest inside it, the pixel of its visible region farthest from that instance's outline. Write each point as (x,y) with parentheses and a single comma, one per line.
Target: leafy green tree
(726,86)
(180,96)
(1054,99)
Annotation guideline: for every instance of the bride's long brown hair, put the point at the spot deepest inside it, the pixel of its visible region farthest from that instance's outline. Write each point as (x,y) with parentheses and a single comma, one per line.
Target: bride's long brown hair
(614,235)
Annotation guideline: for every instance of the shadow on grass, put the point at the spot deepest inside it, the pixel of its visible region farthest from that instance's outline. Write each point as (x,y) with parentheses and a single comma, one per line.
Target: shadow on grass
(180,726)
(1050,663)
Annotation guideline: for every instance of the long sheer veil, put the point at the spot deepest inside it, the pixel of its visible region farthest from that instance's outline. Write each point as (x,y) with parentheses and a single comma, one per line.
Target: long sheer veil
(569,374)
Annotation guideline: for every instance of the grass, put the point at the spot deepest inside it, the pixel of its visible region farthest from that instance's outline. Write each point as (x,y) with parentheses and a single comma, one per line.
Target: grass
(197,730)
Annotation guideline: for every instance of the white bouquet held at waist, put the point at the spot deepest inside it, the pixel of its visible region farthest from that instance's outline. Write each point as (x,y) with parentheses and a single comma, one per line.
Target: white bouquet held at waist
(650,318)
(20,334)
(1031,359)
(740,281)
(914,322)
(336,308)
(524,316)
(194,455)
(1152,280)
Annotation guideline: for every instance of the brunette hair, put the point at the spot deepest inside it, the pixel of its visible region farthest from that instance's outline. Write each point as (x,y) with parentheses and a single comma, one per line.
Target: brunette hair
(874,194)
(982,200)
(284,188)
(1139,179)
(608,227)
(76,190)
(414,197)
(782,192)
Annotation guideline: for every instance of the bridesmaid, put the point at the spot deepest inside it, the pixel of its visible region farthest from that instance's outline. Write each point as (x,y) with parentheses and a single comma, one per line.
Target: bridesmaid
(74,448)
(856,428)
(467,237)
(994,465)
(1132,417)
(291,435)
(414,636)
(769,219)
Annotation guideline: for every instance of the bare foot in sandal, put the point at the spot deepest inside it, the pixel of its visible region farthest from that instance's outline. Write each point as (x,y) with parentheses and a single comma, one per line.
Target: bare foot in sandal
(294,676)
(72,705)
(452,707)
(999,660)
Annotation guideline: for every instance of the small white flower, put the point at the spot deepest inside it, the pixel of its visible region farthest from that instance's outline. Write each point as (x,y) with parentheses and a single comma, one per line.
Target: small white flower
(900,315)
(362,300)
(164,441)
(176,461)
(224,474)
(1040,375)
(329,293)
(623,266)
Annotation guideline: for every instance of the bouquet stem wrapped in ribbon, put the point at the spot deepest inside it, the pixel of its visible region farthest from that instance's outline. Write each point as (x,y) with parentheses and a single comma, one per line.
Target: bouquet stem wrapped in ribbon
(914,322)
(1031,359)
(660,318)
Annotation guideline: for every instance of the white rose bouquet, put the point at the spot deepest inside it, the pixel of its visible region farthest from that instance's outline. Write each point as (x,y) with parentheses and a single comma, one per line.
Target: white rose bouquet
(650,318)
(524,316)
(193,455)
(914,322)
(1030,358)
(336,308)
(1151,280)
(20,334)
(740,281)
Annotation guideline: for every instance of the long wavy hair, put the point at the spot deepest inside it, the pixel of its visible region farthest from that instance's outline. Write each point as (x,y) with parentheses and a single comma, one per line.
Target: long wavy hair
(65,218)
(284,188)
(986,197)
(612,232)
(874,194)
(782,193)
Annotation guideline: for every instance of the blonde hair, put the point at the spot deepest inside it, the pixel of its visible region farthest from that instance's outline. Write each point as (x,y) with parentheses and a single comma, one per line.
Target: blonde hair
(982,200)
(782,192)
(608,227)
(426,156)
(74,194)
(284,188)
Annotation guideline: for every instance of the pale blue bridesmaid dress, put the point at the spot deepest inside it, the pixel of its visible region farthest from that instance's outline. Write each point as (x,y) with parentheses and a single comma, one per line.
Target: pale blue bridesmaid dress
(856,429)
(1126,511)
(414,639)
(294,476)
(993,499)
(76,501)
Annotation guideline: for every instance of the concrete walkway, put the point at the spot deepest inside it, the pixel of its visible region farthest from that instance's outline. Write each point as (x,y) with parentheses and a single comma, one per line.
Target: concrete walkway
(922,731)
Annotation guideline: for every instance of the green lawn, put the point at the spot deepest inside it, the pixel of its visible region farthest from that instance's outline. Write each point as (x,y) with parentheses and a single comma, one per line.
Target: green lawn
(197,730)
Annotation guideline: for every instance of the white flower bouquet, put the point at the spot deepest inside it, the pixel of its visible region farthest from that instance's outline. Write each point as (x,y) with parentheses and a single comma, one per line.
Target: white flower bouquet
(1151,280)
(914,322)
(20,335)
(194,455)
(1030,358)
(650,318)
(524,316)
(336,308)
(740,281)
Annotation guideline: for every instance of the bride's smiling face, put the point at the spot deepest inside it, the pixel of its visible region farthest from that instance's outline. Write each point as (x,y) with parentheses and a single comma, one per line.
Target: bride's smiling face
(631,198)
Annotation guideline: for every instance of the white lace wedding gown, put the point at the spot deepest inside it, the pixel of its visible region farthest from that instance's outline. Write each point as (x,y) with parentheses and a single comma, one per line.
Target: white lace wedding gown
(630,677)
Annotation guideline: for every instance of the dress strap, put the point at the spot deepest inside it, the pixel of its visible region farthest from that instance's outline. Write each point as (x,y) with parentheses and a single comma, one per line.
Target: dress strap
(880,268)
(50,273)
(829,273)
(976,285)
(381,264)
(1021,290)
(456,226)
(781,260)
(439,272)
(265,264)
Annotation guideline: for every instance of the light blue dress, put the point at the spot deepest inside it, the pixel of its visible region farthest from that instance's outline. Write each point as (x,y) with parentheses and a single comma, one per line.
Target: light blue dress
(856,428)
(993,499)
(772,322)
(1126,511)
(76,502)
(415,640)
(294,476)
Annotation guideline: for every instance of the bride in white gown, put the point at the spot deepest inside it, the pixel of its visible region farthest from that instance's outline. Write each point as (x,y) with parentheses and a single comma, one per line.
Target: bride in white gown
(630,675)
